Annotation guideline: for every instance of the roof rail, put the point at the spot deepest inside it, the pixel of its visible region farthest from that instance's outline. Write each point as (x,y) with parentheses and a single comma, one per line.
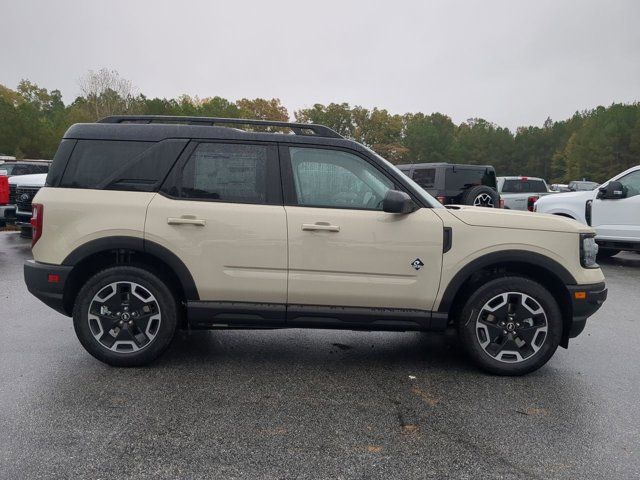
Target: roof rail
(297,128)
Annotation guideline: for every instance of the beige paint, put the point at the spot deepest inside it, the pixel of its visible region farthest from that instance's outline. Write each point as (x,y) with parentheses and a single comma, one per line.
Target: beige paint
(74,216)
(238,252)
(368,261)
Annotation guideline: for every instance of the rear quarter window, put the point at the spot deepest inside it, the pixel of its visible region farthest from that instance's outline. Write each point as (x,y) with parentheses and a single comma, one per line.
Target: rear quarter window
(93,161)
(114,165)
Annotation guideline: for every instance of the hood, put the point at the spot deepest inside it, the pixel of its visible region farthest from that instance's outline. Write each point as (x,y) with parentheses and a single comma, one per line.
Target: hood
(35,179)
(522,220)
(584,194)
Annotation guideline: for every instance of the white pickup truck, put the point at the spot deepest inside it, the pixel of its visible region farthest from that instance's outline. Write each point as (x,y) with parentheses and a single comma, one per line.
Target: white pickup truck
(520,193)
(613,210)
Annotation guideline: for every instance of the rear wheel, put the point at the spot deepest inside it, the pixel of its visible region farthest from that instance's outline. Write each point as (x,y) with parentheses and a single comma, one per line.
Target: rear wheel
(510,326)
(125,316)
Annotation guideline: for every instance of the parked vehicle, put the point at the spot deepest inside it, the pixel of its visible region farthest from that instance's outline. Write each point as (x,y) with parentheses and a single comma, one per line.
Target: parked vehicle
(520,193)
(149,224)
(22,189)
(613,210)
(456,184)
(18,171)
(559,187)
(17,210)
(582,185)
(23,167)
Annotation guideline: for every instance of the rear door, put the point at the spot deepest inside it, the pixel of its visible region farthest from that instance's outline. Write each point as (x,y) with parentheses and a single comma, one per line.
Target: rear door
(344,251)
(220,211)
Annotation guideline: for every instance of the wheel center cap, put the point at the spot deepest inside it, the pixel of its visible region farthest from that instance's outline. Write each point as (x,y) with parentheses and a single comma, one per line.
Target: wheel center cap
(511,326)
(125,316)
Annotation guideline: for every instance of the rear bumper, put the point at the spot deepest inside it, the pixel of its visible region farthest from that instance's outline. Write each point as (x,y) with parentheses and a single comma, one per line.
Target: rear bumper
(46,282)
(585,301)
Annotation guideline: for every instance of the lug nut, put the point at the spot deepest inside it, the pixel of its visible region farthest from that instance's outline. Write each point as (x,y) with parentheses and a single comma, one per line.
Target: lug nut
(121,322)
(130,322)
(505,332)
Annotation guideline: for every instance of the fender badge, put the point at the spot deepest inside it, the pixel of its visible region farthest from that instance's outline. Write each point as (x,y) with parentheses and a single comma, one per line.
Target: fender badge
(417,264)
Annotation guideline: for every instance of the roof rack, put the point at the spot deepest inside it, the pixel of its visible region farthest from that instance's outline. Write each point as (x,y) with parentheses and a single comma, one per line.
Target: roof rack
(297,128)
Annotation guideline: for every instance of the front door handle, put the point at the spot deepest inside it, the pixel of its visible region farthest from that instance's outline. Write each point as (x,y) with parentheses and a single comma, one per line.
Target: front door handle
(186,220)
(324,226)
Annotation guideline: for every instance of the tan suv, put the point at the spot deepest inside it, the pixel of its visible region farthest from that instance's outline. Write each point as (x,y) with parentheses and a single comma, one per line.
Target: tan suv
(150,224)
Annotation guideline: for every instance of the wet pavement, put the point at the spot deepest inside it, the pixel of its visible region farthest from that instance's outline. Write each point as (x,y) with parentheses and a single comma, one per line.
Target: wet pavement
(315,404)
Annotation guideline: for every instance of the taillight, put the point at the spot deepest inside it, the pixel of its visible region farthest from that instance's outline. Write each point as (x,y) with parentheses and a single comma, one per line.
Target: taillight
(4,189)
(442,199)
(36,222)
(502,203)
(531,201)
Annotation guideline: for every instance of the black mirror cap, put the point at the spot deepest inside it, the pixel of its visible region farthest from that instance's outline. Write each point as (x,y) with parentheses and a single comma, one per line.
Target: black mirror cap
(397,202)
(612,191)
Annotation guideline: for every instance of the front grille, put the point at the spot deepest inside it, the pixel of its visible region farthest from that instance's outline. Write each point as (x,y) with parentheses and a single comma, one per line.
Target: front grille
(12,194)
(24,197)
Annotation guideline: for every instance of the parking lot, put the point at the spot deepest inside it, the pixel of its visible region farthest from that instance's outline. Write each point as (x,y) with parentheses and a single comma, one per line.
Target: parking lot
(321,404)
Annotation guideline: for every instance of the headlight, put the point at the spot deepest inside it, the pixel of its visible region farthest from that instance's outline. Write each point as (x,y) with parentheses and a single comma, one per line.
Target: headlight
(588,250)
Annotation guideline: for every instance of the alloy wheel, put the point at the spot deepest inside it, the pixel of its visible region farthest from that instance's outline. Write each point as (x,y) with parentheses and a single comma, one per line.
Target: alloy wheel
(483,200)
(124,317)
(511,327)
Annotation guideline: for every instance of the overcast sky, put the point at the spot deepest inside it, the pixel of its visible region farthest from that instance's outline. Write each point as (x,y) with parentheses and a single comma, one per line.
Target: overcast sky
(511,62)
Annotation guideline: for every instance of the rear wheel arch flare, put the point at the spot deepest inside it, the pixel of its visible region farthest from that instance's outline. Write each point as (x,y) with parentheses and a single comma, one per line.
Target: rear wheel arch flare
(109,251)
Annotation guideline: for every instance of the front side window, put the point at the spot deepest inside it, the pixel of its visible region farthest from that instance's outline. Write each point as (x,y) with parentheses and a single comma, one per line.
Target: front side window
(226,172)
(336,179)
(631,183)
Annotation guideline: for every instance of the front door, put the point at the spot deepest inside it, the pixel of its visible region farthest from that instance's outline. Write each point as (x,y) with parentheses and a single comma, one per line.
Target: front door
(344,251)
(620,218)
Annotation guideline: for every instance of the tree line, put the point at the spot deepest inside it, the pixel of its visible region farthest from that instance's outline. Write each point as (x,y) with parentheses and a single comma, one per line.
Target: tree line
(594,144)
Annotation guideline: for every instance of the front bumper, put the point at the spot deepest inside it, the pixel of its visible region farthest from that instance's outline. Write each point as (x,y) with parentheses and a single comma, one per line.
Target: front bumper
(46,282)
(23,219)
(585,301)
(7,214)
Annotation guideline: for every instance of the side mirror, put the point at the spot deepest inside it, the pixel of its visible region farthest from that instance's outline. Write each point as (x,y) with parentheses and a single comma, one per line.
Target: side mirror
(612,191)
(397,202)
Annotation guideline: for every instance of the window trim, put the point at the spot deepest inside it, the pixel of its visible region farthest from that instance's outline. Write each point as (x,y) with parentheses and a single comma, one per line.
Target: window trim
(274,184)
(288,183)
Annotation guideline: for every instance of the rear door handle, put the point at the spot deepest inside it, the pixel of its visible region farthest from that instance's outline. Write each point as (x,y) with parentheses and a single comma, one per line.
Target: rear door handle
(324,226)
(186,220)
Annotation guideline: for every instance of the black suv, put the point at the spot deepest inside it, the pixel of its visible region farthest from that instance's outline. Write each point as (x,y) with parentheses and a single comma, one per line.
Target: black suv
(456,184)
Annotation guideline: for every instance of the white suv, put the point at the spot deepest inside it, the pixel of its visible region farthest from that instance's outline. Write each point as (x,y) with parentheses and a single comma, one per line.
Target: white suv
(613,210)
(149,224)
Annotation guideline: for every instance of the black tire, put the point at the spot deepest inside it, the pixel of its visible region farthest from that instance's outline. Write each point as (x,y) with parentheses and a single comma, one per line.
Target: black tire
(481,196)
(26,232)
(163,302)
(604,253)
(470,329)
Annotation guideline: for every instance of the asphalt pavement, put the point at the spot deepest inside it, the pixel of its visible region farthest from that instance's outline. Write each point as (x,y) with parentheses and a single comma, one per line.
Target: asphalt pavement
(315,404)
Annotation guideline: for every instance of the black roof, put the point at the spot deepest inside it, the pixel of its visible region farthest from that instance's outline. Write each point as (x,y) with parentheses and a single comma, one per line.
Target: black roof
(155,128)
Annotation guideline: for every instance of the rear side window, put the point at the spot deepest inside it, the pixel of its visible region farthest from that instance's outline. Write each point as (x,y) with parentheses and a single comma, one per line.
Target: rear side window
(229,172)
(524,186)
(425,177)
(464,178)
(94,161)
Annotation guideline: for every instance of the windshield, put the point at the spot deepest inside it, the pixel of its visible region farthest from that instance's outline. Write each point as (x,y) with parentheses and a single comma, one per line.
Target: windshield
(6,169)
(418,190)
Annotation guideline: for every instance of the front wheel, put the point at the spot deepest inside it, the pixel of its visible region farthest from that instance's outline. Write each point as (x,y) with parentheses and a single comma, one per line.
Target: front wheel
(510,326)
(125,316)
